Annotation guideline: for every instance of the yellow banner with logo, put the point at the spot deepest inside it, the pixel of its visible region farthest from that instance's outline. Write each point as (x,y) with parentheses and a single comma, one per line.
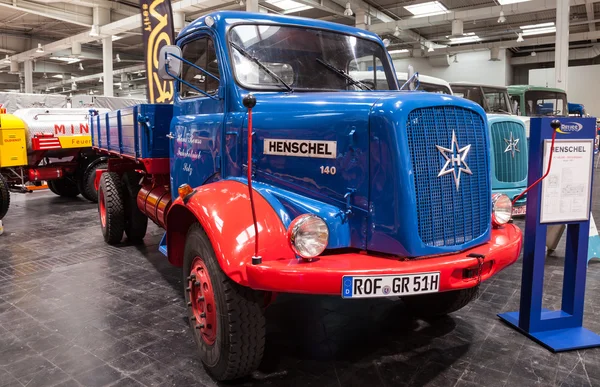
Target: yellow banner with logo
(157,21)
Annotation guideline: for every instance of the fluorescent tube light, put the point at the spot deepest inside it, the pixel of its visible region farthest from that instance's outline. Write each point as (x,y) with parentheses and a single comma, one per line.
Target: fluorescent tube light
(465,39)
(427,9)
(398,51)
(289,6)
(504,2)
(539,31)
(541,25)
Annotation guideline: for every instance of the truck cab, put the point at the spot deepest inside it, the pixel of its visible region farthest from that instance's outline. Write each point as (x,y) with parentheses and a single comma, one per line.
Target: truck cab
(508,136)
(276,170)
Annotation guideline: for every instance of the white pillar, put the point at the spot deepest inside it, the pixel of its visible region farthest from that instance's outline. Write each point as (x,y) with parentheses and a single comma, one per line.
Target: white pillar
(361,18)
(561,58)
(107,66)
(178,21)
(28,72)
(252,5)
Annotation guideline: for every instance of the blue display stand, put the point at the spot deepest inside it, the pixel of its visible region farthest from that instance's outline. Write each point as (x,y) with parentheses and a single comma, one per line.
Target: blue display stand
(560,330)
(594,242)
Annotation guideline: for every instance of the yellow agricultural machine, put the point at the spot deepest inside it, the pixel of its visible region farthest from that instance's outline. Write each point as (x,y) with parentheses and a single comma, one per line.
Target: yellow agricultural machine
(52,145)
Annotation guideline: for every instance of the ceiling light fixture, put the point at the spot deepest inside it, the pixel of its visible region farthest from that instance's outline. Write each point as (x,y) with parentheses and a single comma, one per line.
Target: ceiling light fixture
(7,59)
(118,58)
(80,66)
(430,49)
(100,80)
(501,19)
(539,31)
(465,39)
(427,9)
(289,6)
(241,3)
(94,31)
(505,2)
(533,53)
(397,31)
(456,58)
(348,11)
(402,51)
(40,49)
(541,25)
(120,87)
(520,38)
(45,76)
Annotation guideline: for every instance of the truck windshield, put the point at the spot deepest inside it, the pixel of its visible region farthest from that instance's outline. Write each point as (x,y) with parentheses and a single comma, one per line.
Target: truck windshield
(545,103)
(491,99)
(307,59)
(432,88)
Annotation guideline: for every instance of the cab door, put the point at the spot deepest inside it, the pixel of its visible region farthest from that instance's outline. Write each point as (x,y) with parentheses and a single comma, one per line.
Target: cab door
(198,115)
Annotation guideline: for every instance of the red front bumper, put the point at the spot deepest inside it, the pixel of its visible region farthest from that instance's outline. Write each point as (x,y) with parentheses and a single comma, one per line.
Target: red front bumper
(324,276)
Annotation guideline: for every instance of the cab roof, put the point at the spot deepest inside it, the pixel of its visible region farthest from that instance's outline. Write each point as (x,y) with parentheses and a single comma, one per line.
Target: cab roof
(519,89)
(462,83)
(229,18)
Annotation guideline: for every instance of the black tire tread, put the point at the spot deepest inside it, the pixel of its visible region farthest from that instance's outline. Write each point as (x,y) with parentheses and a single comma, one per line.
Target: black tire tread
(136,222)
(4,197)
(243,313)
(86,184)
(64,187)
(115,217)
(440,304)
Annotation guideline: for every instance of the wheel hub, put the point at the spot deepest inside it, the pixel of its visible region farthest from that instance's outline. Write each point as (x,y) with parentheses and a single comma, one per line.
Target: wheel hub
(102,207)
(202,302)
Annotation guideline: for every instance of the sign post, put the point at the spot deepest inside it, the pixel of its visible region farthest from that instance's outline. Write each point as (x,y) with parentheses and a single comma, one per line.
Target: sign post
(563,197)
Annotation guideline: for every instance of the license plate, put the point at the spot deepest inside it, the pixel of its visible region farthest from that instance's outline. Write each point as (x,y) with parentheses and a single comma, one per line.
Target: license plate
(390,285)
(516,211)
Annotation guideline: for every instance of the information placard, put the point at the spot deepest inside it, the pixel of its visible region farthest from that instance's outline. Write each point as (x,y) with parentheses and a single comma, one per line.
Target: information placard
(566,190)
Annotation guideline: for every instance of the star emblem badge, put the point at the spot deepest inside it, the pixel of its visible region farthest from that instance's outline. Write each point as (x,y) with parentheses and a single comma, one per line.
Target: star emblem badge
(512,145)
(455,160)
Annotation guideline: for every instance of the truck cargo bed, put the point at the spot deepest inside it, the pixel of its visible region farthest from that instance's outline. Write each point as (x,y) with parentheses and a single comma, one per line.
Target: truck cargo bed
(137,132)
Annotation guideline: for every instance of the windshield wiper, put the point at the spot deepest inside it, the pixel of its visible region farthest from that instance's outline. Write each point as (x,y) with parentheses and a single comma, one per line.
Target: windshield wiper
(261,65)
(343,74)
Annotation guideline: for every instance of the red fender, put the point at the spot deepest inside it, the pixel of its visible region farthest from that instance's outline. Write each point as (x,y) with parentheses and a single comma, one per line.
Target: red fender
(223,211)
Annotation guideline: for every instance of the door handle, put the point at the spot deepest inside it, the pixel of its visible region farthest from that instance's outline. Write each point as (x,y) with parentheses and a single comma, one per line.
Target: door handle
(170,135)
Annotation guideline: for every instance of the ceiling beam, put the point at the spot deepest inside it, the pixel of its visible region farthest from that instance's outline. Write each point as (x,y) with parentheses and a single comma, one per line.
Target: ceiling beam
(470,15)
(548,56)
(91,77)
(589,9)
(529,41)
(64,14)
(329,6)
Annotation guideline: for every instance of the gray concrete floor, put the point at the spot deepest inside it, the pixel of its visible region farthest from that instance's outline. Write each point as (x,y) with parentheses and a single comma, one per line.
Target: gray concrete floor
(74,311)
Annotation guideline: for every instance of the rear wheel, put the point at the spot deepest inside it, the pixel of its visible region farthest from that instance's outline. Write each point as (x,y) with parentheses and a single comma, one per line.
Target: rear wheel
(136,223)
(110,208)
(226,319)
(440,304)
(4,197)
(86,182)
(65,187)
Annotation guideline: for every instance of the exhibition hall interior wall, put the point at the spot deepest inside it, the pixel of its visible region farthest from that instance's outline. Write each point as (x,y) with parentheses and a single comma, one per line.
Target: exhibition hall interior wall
(474,66)
(582,85)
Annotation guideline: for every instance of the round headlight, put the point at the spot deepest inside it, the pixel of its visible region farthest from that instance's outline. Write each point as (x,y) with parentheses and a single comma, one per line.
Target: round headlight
(308,235)
(501,209)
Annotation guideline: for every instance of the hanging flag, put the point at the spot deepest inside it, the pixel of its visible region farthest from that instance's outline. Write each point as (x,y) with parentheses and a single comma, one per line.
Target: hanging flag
(157,27)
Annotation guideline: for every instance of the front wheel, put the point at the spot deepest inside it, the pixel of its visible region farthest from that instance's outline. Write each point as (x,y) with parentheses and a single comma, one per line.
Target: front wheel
(440,304)
(226,319)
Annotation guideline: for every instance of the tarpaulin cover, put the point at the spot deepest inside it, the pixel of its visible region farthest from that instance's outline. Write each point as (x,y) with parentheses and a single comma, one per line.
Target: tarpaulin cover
(15,101)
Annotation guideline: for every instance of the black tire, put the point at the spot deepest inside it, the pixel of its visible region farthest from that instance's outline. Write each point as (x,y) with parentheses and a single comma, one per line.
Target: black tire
(51,188)
(64,187)
(239,341)
(440,304)
(86,182)
(110,208)
(4,197)
(136,223)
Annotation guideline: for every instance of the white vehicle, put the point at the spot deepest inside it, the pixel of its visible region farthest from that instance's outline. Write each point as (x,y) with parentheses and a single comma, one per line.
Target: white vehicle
(426,82)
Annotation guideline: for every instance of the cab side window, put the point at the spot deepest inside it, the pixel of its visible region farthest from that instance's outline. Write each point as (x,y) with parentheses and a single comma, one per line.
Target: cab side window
(202,53)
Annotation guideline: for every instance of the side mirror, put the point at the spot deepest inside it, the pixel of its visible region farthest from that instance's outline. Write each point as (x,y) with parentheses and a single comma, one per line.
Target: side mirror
(169,62)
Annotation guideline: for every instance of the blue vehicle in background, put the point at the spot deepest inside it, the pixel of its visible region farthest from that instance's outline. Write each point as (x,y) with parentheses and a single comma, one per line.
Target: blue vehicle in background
(509,140)
(276,171)
(576,109)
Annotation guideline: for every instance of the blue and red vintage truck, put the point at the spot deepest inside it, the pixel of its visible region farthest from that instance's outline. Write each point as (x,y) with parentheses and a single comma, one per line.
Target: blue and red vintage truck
(337,189)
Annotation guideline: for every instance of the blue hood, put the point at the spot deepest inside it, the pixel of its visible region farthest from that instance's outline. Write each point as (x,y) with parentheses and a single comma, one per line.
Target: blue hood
(373,164)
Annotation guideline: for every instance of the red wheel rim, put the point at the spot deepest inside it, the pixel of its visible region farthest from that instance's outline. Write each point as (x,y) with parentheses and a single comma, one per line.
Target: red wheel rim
(202,302)
(102,207)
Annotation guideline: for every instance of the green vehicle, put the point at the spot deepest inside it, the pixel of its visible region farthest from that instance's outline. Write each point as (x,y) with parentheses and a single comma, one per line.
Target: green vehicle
(535,101)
